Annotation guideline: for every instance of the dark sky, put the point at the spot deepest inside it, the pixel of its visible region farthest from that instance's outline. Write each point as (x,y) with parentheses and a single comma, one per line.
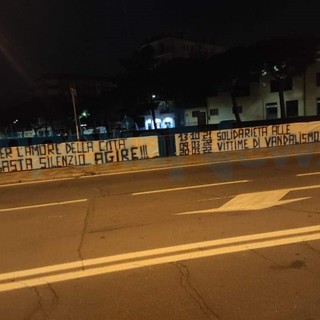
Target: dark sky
(39,36)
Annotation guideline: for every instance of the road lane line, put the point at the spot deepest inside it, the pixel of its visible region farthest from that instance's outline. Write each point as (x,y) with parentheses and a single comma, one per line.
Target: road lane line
(255,201)
(189,187)
(204,245)
(142,170)
(141,254)
(216,198)
(34,182)
(43,205)
(200,253)
(198,164)
(307,174)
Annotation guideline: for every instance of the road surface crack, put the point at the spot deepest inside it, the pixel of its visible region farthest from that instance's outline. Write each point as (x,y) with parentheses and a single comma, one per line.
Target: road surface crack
(296,264)
(276,264)
(90,210)
(55,296)
(39,307)
(312,248)
(103,193)
(117,227)
(184,275)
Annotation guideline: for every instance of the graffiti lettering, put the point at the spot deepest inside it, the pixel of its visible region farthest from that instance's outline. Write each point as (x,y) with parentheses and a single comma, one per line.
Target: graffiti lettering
(5,153)
(16,165)
(248,138)
(233,145)
(280,129)
(62,161)
(79,147)
(120,155)
(242,133)
(77,153)
(39,150)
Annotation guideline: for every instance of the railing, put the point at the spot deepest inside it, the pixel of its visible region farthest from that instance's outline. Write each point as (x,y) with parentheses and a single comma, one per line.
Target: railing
(166,136)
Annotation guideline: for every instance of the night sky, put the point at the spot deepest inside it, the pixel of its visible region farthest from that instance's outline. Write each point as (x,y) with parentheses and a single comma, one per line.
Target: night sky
(89,37)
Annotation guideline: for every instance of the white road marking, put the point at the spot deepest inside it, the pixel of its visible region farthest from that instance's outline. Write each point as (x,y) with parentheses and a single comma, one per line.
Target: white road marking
(99,266)
(162,168)
(198,164)
(43,205)
(34,182)
(255,201)
(307,174)
(215,198)
(189,187)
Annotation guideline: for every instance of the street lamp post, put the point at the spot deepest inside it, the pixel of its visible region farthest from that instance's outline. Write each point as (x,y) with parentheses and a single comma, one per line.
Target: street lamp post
(73,93)
(11,126)
(153,101)
(84,114)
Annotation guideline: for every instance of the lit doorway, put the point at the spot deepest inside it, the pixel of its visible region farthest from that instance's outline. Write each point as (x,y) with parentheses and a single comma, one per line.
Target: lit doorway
(272,111)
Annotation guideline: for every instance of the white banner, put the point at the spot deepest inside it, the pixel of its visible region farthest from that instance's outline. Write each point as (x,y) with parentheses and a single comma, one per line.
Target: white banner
(78,153)
(247,138)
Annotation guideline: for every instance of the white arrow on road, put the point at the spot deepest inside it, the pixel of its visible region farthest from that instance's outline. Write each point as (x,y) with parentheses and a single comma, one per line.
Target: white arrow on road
(256,201)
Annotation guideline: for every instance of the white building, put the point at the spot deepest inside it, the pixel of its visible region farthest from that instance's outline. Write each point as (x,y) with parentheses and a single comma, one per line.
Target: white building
(260,100)
(168,48)
(164,116)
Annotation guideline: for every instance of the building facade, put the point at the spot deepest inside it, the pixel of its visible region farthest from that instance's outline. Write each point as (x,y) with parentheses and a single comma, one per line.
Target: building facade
(169,48)
(164,50)
(260,100)
(165,116)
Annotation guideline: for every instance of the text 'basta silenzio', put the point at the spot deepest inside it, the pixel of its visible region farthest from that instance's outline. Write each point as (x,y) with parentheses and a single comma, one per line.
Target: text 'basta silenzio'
(76,153)
(81,153)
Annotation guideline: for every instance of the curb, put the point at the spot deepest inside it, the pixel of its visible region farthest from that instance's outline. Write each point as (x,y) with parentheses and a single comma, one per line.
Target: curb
(157,164)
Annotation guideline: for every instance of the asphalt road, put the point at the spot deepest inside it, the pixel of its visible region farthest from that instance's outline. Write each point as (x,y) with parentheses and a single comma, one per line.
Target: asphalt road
(232,240)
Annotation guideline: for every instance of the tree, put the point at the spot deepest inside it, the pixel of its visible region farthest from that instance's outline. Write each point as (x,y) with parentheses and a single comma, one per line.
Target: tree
(8,121)
(231,70)
(137,83)
(183,81)
(282,58)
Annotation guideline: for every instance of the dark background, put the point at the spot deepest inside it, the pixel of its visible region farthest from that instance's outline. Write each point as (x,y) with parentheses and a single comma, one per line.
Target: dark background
(89,37)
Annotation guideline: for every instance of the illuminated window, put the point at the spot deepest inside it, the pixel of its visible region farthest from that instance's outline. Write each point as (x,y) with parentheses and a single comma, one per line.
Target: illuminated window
(148,124)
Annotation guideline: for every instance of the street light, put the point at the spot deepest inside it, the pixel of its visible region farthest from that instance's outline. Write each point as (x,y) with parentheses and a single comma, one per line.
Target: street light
(153,102)
(83,114)
(14,122)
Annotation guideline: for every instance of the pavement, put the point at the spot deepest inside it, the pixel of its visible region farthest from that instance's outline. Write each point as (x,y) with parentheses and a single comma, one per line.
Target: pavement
(156,163)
